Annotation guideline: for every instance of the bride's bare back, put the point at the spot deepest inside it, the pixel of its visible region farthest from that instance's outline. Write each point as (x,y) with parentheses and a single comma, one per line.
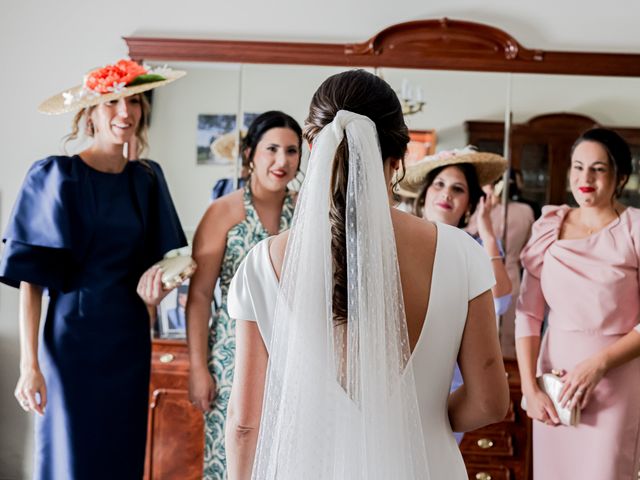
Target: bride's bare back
(484,397)
(416,246)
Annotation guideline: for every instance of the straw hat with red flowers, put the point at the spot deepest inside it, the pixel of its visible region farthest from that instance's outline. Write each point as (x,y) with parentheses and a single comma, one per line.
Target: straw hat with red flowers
(111,82)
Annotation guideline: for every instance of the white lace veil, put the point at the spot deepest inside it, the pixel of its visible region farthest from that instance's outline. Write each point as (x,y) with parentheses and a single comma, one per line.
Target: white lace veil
(340,401)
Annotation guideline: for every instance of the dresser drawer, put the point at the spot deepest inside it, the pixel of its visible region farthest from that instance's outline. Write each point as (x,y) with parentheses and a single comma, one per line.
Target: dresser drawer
(488,442)
(167,355)
(483,472)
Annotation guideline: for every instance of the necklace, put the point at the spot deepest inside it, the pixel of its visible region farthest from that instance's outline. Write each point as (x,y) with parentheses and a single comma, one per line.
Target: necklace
(591,229)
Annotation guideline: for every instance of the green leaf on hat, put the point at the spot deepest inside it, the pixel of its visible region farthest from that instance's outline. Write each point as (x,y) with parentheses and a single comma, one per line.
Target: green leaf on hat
(146,78)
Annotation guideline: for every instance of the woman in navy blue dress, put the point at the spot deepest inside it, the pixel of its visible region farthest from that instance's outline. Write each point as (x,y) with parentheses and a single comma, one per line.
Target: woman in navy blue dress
(87,229)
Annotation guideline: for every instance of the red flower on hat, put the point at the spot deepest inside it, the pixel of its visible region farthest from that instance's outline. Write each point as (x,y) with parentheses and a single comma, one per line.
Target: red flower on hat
(106,79)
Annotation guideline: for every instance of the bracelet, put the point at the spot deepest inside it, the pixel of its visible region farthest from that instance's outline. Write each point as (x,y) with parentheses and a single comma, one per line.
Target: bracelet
(498,257)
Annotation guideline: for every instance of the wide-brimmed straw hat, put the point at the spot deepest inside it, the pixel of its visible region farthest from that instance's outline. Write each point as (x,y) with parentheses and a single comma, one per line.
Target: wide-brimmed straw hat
(111,82)
(489,167)
(225,147)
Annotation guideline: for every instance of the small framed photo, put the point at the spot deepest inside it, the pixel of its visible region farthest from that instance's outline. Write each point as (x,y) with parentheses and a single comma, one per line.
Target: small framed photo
(172,319)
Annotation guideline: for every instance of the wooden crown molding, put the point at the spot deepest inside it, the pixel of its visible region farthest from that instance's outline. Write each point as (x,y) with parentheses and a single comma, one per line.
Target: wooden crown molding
(424,44)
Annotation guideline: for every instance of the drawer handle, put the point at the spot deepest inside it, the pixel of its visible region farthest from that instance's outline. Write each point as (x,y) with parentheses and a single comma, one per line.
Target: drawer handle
(167,358)
(483,476)
(485,443)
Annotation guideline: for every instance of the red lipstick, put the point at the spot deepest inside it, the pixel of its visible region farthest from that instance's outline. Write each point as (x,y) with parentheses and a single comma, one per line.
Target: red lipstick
(587,189)
(446,206)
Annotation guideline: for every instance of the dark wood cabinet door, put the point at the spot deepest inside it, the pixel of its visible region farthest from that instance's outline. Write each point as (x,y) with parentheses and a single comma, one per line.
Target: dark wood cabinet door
(177,437)
(175,434)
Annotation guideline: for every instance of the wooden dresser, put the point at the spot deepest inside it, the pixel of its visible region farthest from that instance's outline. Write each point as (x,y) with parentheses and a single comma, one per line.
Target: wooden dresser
(175,437)
(175,434)
(501,451)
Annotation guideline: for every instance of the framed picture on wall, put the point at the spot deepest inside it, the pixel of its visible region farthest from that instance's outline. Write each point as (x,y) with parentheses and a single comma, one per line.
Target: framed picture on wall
(217,137)
(212,127)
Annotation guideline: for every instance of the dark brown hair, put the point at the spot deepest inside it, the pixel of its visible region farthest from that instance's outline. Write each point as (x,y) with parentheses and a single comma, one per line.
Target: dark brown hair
(617,150)
(366,94)
(261,125)
(83,117)
(475,190)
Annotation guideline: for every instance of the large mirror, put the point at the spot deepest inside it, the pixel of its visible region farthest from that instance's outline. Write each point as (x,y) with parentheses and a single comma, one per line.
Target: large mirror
(472,78)
(193,130)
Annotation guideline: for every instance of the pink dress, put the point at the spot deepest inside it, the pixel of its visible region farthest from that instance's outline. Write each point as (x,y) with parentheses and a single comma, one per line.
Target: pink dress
(519,221)
(592,289)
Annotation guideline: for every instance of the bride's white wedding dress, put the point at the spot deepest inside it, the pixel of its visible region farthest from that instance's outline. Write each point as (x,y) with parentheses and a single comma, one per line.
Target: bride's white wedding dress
(461,271)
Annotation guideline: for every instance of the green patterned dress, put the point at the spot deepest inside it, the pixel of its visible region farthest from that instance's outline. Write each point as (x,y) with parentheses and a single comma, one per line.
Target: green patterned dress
(222,336)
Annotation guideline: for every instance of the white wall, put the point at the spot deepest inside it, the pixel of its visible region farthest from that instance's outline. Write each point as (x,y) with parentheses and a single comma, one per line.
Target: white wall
(46,46)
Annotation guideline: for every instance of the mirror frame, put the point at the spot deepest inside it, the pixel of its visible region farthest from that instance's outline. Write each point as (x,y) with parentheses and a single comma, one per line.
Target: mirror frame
(440,44)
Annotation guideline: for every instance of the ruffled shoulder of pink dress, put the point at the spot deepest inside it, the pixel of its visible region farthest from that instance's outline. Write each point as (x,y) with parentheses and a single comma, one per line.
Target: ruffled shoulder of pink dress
(544,233)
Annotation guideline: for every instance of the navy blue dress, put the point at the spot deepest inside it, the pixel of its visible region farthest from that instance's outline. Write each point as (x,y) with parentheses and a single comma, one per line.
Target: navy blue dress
(87,237)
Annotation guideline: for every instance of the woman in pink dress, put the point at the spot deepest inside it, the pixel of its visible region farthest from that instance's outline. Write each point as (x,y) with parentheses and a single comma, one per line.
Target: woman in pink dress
(583,263)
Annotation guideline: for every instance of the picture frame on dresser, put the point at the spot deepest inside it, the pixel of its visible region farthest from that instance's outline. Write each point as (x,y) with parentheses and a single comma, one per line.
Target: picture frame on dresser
(171,321)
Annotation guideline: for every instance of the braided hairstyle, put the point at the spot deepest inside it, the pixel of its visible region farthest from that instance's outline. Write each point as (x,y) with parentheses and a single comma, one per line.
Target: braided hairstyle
(363,93)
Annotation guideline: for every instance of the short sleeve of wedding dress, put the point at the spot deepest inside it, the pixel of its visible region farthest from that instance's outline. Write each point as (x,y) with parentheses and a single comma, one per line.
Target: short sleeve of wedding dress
(254,289)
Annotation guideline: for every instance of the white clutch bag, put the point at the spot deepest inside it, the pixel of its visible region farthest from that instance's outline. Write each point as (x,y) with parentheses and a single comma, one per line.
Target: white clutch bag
(552,385)
(177,265)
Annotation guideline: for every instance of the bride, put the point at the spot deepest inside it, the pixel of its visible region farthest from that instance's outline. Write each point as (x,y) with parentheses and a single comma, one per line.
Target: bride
(350,324)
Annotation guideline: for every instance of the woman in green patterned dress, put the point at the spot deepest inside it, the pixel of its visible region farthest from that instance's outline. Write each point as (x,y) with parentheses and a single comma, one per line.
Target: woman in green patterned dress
(230,227)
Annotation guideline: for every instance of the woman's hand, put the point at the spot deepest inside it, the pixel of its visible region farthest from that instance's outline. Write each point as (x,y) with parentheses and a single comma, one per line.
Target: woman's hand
(581,381)
(31,391)
(485,227)
(540,407)
(202,388)
(150,287)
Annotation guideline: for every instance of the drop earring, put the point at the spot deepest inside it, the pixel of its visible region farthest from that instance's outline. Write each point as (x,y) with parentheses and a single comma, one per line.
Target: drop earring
(467,217)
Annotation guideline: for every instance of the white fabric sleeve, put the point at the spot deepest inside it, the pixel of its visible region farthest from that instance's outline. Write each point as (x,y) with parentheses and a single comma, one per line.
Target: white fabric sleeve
(239,302)
(479,270)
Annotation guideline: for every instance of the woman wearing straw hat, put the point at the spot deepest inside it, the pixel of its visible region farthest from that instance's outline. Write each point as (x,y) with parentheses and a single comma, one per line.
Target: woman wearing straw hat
(447,188)
(87,228)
